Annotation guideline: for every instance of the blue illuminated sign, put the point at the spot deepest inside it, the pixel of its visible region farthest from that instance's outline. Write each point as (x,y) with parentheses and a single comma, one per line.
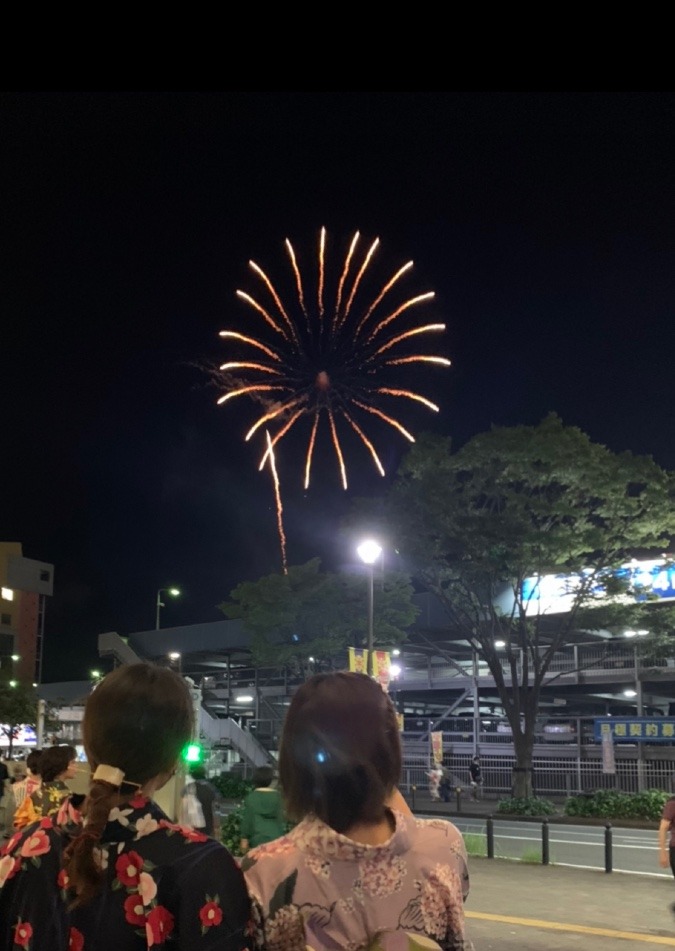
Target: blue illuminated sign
(634,729)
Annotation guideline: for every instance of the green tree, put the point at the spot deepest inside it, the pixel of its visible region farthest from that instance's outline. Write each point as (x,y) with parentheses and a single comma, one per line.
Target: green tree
(18,707)
(527,501)
(308,612)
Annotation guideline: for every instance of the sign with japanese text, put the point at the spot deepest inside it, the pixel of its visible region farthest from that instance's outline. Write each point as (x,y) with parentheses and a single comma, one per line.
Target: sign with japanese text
(437,747)
(633,729)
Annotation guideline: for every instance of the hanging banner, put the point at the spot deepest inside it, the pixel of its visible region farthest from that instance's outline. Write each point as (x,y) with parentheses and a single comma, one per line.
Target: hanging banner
(382,671)
(399,720)
(358,660)
(437,748)
(608,762)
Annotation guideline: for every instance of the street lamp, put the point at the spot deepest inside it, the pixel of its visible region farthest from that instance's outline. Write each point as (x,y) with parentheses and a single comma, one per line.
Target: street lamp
(176,658)
(174,592)
(369,551)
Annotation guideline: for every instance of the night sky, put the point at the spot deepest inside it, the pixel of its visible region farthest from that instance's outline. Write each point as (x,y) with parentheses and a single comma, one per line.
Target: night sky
(544,222)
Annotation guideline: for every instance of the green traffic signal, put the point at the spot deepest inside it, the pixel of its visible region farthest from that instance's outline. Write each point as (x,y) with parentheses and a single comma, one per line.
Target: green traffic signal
(193,753)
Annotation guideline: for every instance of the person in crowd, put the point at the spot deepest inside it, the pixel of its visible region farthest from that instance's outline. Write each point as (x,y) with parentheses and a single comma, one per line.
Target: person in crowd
(6,800)
(435,775)
(125,877)
(198,803)
(476,778)
(263,817)
(58,764)
(667,838)
(31,783)
(358,870)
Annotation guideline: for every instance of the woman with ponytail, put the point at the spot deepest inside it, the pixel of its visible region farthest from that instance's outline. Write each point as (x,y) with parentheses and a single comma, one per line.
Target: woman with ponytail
(358,870)
(124,876)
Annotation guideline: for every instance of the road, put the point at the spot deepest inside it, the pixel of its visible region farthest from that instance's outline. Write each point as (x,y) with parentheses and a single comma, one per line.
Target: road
(633,850)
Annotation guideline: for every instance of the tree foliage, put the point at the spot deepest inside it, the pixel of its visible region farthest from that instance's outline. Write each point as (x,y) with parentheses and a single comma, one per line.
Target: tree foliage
(527,501)
(310,612)
(18,707)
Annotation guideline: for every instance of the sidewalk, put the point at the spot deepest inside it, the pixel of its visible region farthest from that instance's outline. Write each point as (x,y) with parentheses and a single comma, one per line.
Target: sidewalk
(513,906)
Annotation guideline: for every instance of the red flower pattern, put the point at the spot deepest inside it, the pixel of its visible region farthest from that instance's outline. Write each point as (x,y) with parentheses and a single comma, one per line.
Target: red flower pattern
(23,932)
(133,910)
(76,940)
(128,867)
(62,879)
(210,914)
(159,925)
(35,844)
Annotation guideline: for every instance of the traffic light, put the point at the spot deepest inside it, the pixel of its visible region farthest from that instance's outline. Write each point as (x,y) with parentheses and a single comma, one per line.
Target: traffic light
(193,753)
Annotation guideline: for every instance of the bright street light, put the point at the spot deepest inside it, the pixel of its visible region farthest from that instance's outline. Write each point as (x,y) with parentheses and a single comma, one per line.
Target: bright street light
(369,551)
(174,592)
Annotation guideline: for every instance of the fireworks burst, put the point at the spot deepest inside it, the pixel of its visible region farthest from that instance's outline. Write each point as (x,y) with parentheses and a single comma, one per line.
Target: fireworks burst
(329,355)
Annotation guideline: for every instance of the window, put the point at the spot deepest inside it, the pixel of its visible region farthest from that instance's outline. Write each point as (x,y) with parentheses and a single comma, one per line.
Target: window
(6,619)
(44,575)
(7,594)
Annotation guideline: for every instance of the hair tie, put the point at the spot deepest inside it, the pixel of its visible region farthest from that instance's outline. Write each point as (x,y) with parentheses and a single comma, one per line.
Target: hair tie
(109,774)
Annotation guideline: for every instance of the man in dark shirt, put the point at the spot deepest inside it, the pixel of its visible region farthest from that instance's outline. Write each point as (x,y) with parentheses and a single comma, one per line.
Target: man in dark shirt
(476,777)
(207,795)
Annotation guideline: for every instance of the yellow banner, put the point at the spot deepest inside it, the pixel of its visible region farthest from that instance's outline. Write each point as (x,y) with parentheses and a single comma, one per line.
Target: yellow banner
(401,725)
(382,671)
(437,748)
(358,660)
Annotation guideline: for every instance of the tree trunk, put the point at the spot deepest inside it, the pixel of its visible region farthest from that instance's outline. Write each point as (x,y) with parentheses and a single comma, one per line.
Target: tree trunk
(523,786)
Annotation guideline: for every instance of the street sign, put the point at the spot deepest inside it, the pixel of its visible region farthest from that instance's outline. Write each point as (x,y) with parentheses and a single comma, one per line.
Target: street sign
(635,729)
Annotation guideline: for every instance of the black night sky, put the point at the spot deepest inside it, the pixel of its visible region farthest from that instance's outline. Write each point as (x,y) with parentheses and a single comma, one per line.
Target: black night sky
(544,222)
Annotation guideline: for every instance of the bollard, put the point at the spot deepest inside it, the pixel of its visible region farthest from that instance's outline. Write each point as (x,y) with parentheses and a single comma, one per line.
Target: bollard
(414,790)
(458,794)
(545,855)
(608,847)
(490,828)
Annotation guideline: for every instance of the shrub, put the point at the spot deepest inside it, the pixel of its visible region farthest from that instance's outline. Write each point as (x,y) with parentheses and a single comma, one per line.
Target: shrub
(232,787)
(612,804)
(530,806)
(230,830)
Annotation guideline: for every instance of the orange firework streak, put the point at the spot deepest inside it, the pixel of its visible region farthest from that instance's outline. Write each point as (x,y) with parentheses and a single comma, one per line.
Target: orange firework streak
(338,450)
(397,313)
(280,508)
(368,444)
(310,448)
(282,432)
(428,328)
(408,395)
(387,287)
(387,419)
(333,355)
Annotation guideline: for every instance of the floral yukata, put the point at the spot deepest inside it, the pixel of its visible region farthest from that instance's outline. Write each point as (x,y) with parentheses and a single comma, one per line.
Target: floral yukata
(314,888)
(164,885)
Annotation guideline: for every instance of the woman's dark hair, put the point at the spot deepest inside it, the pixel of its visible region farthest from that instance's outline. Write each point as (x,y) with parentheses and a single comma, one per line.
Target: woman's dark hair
(55,760)
(137,719)
(340,753)
(33,761)
(263,776)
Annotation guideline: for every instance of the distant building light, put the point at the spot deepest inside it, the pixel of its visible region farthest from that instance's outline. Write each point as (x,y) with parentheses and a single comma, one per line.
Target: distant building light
(244,698)
(500,644)
(394,671)
(8,594)
(630,693)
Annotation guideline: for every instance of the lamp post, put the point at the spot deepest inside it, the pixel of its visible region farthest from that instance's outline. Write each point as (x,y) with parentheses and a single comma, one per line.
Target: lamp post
(369,551)
(174,592)
(177,659)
